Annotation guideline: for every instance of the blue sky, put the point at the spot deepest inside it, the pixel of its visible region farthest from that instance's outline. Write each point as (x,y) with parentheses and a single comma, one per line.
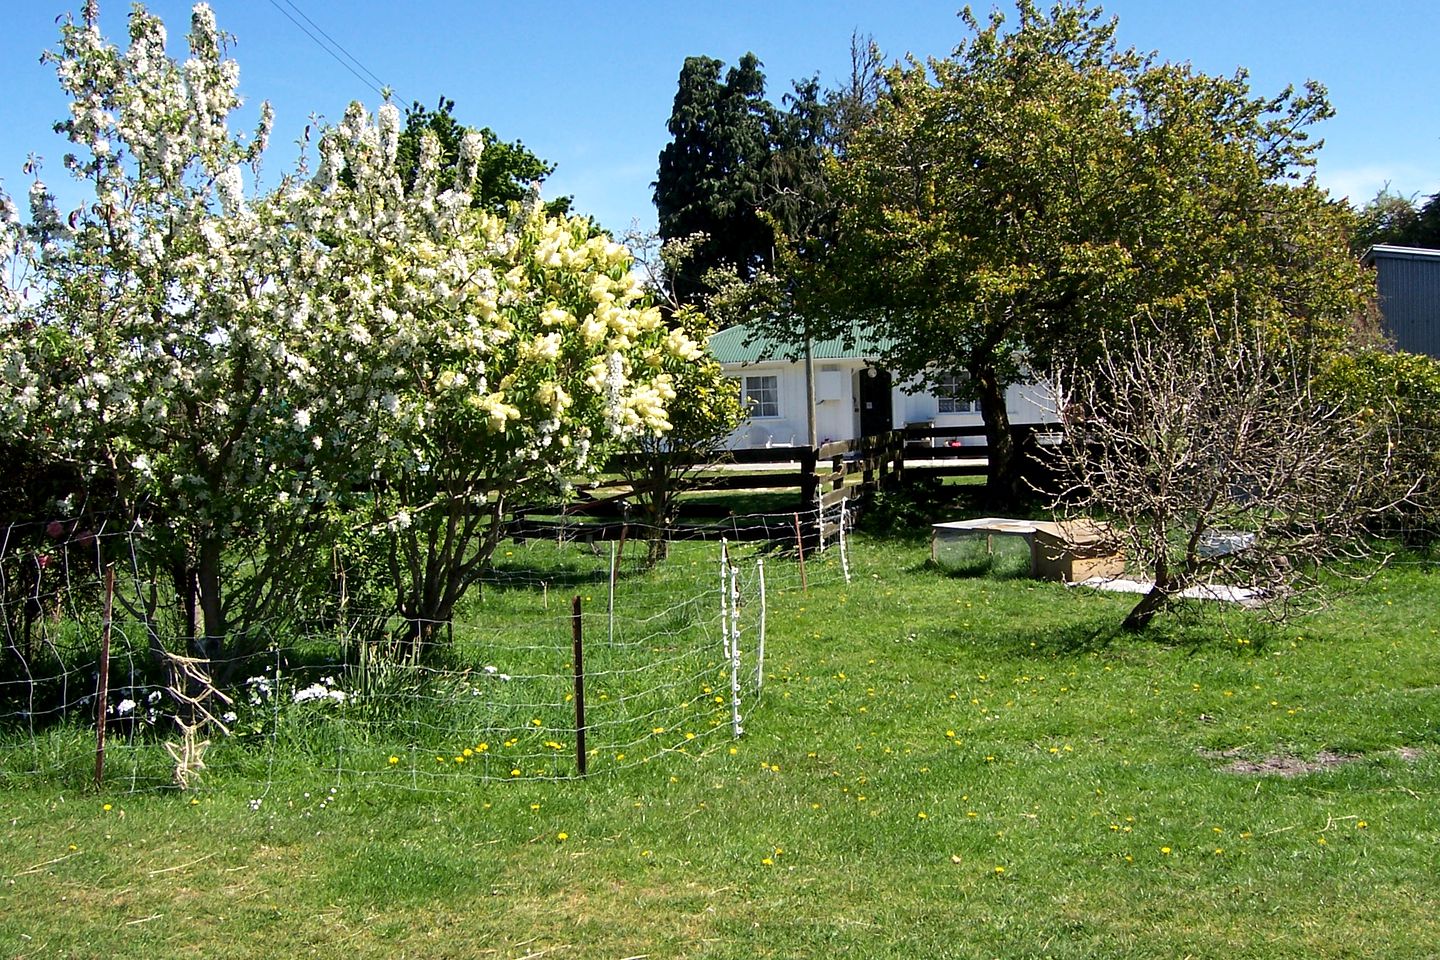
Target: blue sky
(589,85)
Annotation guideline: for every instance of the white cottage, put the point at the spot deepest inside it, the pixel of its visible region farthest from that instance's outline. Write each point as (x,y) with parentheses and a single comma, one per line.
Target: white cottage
(854,396)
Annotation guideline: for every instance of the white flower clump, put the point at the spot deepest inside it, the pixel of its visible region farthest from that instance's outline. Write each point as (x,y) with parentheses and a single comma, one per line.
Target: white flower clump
(319,691)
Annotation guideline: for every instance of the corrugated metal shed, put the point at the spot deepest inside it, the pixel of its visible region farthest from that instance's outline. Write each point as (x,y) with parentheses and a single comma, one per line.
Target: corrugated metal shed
(1408,281)
(729,346)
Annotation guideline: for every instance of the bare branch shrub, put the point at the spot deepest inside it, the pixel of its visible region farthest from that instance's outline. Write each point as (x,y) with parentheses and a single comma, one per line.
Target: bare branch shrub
(1214,463)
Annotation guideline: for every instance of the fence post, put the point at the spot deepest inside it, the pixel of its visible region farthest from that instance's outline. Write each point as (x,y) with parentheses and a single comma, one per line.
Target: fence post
(102,688)
(577,630)
(809,482)
(760,638)
(610,609)
(725,596)
(735,728)
(800,552)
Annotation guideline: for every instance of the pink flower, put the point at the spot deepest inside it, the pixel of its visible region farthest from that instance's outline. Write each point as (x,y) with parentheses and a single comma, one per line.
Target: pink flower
(55,529)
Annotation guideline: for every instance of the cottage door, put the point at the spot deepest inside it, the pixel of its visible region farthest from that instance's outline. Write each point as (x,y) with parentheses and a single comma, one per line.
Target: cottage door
(874,396)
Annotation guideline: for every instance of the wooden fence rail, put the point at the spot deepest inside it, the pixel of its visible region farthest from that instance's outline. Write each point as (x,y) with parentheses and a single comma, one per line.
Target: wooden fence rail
(851,470)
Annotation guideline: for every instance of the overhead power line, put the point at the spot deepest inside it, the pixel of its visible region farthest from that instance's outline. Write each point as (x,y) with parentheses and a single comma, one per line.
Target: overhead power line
(331,46)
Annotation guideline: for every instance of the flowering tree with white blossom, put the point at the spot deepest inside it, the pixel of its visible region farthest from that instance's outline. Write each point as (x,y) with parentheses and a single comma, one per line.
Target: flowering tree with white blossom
(256,375)
(481,357)
(147,351)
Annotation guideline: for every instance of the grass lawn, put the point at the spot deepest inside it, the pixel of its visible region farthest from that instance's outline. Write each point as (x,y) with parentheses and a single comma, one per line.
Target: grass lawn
(937,767)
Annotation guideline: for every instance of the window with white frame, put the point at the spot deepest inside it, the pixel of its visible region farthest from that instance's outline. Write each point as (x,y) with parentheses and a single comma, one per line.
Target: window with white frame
(952,390)
(762,396)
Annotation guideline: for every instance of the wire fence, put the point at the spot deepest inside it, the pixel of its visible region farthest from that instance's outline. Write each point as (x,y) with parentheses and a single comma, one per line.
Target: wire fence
(567,658)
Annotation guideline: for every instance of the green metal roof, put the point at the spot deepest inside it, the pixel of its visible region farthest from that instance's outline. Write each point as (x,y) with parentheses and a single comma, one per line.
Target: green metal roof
(729,346)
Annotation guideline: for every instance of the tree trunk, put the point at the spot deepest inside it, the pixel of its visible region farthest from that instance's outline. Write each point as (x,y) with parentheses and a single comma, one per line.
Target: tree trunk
(184,579)
(212,612)
(1004,486)
(1151,604)
(658,508)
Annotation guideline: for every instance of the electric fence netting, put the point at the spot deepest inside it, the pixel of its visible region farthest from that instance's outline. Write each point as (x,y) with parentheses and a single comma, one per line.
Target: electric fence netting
(568,657)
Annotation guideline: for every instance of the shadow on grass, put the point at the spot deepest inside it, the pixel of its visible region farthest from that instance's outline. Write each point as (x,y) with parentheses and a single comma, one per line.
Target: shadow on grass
(1195,634)
(994,567)
(1069,640)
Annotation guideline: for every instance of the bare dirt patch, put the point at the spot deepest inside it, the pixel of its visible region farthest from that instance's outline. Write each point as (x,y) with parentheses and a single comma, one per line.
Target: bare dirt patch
(1285,765)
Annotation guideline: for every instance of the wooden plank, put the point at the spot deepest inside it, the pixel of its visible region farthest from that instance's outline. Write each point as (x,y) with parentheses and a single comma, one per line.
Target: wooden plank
(752,481)
(739,528)
(833,498)
(837,448)
(768,455)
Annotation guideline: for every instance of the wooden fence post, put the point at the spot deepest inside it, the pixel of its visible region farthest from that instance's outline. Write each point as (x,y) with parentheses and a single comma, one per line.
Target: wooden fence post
(581,761)
(809,457)
(102,687)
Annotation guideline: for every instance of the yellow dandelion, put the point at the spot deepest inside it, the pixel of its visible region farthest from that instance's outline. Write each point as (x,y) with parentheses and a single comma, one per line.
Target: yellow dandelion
(1361,825)
(1165,851)
(107,808)
(394,760)
(922,815)
(768,862)
(999,869)
(562,836)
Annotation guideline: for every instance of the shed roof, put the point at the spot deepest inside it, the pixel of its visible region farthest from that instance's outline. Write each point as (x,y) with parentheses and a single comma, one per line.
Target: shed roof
(730,346)
(1391,251)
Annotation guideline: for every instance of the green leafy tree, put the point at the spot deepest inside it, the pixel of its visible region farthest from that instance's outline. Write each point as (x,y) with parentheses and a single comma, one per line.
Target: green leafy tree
(506,172)
(1388,217)
(1399,220)
(1379,387)
(712,173)
(1008,203)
